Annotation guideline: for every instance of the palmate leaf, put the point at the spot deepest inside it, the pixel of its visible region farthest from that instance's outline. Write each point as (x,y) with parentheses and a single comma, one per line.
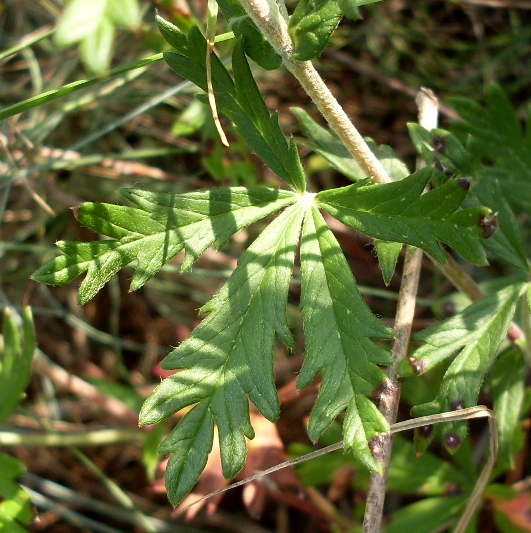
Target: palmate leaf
(484,318)
(478,332)
(496,135)
(399,212)
(337,326)
(229,358)
(487,188)
(163,225)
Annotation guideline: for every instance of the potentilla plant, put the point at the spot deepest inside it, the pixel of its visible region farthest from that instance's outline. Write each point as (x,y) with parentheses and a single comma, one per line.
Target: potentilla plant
(459,200)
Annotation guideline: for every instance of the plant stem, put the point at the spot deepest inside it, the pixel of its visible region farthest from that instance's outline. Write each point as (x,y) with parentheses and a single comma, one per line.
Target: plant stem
(336,117)
(270,19)
(405,312)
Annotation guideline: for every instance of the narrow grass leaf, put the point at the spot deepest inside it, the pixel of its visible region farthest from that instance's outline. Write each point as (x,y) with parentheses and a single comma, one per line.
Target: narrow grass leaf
(48,96)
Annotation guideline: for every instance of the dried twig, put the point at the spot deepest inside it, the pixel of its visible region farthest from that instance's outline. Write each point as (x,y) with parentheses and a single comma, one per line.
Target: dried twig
(405,312)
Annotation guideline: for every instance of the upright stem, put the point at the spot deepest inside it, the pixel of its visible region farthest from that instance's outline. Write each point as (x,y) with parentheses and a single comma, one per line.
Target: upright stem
(403,321)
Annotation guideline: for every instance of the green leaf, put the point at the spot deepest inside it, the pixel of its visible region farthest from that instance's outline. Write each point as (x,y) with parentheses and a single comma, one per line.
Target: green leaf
(495,133)
(349,8)
(388,253)
(189,443)
(507,242)
(79,20)
(125,13)
(256,46)
(228,358)
(48,96)
(15,364)
(508,390)
(487,187)
(330,146)
(337,325)
(479,331)
(96,49)
(431,475)
(482,322)
(311,25)
(15,502)
(427,515)
(92,25)
(163,225)
(241,101)
(451,152)
(172,34)
(399,212)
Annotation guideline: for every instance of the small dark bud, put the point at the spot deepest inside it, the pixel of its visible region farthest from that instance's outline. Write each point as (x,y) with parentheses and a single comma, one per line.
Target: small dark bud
(457,404)
(418,365)
(449,308)
(441,168)
(376,445)
(438,143)
(425,431)
(464,182)
(452,440)
(488,225)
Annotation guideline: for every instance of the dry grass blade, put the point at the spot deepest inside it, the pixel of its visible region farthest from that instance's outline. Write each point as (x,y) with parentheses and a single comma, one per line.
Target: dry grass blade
(479,411)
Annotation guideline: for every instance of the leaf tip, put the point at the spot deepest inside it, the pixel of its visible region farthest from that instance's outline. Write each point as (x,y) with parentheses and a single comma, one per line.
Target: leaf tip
(464,183)
(452,441)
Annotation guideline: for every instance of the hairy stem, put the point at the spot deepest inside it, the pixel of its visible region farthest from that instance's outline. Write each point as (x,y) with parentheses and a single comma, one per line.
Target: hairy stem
(271,20)
(336,117)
